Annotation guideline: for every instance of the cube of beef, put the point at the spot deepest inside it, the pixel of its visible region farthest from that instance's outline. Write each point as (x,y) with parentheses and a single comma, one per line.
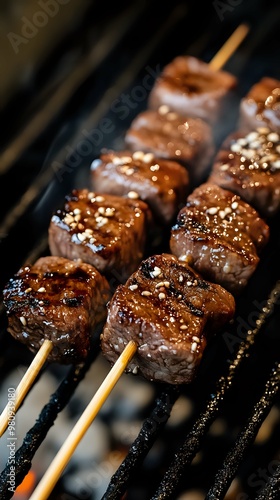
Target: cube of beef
(170,136)
(249,165)
(106,231)
(220,236)
(162,184)
(261,106)
(190,87)
(59,300)
(170,312)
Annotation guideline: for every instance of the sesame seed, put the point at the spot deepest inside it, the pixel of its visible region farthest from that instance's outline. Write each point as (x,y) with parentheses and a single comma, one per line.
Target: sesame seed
(196,339)
(135,370)
(227,268)
(22,320)
(146,293)
(183,327)
(234,205)
(28,290)
(133,195)
(276,164)
(227,210)
(92,240)
(172,320)
(224,167)
(101,221)
(133,287)
(41,289)
(109,212)
(236,148)
(222,214)
(76,211)
(212,210)
(41,303)
(162,296)
(129,171)
(160,284)
(117,161)
(181,278)
(148,157)
(156,272)
(254,144)
(88,230)
(154,168)
(193,346)
(189,283)
(90,195)
(81,237)
(138,155)
(166,284)
(273,137)
(163,109)
(252,136)
(126,159)
(77,217)
(99,199)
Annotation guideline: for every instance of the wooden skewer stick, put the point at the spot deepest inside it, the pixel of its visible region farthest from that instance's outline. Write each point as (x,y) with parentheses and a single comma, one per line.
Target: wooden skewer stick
(229,47)
(62,458)
(25,383)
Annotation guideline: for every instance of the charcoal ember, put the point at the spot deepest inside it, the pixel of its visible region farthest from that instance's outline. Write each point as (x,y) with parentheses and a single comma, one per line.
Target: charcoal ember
(170,311)
(248,164)
(190,87)
(220,235)
(106,231)
(59,300)
(168,135)
(162,184)
(261,106)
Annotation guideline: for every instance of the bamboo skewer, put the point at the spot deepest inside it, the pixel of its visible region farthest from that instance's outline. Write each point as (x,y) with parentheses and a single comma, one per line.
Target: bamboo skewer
(229,47)
(62,458)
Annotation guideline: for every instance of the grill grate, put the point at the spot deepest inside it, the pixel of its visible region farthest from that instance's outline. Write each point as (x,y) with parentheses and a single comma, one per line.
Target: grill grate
(44,191)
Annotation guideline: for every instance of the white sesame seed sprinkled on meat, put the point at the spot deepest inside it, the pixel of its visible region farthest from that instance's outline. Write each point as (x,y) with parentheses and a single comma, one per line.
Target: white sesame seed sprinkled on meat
(146,293)
(183,327)
(41,289)
(133,287)
(162,296)
(133,195)
(22,320)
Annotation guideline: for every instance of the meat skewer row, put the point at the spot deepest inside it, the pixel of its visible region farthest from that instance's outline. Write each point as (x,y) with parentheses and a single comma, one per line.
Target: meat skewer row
(158,325)
(185,98)
(233,44)
(56,305)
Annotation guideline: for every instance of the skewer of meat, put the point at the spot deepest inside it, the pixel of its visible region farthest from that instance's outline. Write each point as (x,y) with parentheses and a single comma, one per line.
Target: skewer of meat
(212,318)
(184,101)
(160,320)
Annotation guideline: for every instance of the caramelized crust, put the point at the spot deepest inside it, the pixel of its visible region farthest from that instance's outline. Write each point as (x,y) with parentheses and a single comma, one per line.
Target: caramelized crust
(106,231)
(170,312)
(190,87)
(220,236)
(59,300)
(162,184)
(249,165)
(170,136)
(261,106)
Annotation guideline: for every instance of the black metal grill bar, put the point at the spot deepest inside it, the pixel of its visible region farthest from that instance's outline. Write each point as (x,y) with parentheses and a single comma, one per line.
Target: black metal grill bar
(246,437)
(143,443)
(271,491)
(194,438)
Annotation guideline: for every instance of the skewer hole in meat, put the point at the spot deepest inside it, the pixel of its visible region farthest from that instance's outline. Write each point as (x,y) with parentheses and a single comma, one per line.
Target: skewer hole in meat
(59,300)
(106,231)
(162,184)
(170,312)
(261,106)
(248,164)
(220,235)
(190,87)
(168,135)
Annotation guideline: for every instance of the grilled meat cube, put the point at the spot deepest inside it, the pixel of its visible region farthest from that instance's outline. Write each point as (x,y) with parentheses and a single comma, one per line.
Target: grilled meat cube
(170,136)
(106,231)
(59,300)
(170,312)
(220,235)
(261,106)
(190,87)
(162,184)
(249,165)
